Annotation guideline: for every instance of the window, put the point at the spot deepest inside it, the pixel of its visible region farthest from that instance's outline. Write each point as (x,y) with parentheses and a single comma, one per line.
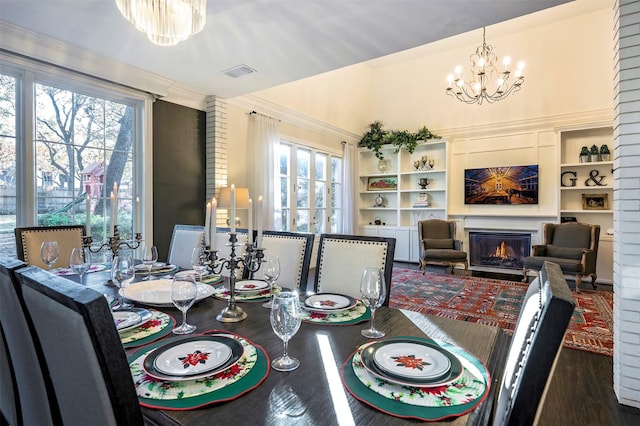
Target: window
(310,189)
(64,140)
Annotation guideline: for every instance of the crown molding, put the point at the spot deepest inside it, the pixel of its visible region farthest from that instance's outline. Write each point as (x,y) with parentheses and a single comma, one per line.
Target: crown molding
(289,116)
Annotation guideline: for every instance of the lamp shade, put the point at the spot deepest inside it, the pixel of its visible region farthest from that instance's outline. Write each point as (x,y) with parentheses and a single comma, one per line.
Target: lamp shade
(242,198)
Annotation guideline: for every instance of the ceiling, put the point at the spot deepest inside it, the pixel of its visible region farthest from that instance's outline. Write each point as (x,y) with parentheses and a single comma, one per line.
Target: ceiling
(282,40)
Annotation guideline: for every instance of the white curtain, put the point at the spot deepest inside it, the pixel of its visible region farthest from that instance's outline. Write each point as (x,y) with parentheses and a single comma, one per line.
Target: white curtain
(264,137)
(349,188)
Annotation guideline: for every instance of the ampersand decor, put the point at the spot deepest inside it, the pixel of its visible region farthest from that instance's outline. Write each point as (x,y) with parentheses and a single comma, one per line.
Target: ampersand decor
(572,180)
(594,179)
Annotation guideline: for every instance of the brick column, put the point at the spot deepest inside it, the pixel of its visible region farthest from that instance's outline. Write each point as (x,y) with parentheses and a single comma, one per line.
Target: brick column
(216,149)
(626,204)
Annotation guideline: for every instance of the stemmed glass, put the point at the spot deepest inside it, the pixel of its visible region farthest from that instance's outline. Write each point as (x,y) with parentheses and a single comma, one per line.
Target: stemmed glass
(149,257)
(199,261)
(78,262)
(183,293)
(373,292)
(271,272)
(285,320)
(49,253)
(122,273)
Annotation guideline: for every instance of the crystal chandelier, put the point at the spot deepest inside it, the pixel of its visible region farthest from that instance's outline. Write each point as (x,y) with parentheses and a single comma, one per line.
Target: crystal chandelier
(485,82)
(165,22)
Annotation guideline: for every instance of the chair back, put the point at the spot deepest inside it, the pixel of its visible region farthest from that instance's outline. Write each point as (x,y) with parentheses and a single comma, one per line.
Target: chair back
(83,351)
(183,240)
(437,233)
(537,340)
(9,402)
(29,240)
(343,258)
(32,392)
(294,251)
(572,235)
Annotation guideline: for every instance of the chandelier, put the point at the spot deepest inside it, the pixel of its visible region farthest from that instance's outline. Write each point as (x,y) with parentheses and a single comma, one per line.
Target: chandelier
(484,81)
(165,22)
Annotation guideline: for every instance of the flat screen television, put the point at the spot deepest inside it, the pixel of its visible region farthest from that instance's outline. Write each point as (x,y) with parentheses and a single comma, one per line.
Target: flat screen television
(501,185)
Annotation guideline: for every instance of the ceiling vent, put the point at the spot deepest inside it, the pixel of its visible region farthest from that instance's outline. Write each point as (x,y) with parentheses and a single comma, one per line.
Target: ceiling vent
(239,71)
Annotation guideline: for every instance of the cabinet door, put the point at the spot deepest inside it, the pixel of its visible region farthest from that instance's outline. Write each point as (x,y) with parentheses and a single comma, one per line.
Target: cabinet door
(414,245)
(370,231)
(402,244)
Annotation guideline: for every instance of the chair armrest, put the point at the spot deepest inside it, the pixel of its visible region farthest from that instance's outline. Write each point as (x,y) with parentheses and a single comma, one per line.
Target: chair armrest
(457,244)
(589,261)
(538,250)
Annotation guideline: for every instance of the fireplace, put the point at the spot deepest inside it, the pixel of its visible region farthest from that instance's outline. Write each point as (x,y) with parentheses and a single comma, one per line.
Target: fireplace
(498,250)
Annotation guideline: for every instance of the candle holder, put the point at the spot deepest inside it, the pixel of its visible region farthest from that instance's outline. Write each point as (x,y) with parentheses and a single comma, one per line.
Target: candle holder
(251,261)
(114,243)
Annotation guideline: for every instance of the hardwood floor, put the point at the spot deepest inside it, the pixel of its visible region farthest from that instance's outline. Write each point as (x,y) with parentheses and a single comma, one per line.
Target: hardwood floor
(581,389)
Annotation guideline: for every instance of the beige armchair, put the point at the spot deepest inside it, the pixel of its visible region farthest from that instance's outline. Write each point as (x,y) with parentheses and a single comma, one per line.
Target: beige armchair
(438,245)
(572,245)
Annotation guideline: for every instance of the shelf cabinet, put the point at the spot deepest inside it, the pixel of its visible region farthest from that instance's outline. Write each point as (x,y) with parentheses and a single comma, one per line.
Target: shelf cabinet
(413,187)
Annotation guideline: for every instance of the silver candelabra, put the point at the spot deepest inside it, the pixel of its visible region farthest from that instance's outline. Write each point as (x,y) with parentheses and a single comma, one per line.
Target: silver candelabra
(114,243)
(251,262)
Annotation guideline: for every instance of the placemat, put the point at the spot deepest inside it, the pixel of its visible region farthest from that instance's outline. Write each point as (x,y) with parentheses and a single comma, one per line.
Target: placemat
(355,315)
(222,293)
(158,326)
(423,403)
(247,374)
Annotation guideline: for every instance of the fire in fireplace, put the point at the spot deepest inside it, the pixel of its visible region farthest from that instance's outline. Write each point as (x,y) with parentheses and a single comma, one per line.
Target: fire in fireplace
(499,249)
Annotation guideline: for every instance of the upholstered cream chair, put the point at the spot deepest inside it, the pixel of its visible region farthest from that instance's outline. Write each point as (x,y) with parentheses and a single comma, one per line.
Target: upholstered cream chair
(29,240)
(183,240)
(572,245)
(438,245)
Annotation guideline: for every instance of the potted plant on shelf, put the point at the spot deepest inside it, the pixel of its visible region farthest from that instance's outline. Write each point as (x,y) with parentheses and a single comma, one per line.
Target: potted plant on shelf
(584,155)
(403,138)
(595,153)
(374,138)
(605,155)
(424,134)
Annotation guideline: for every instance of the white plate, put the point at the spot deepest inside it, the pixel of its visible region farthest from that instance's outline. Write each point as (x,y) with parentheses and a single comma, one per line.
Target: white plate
(251,286)
(143,267)
(191,358)
(145,316)
(329,302)
(126,319)
(158,292)
(411,360)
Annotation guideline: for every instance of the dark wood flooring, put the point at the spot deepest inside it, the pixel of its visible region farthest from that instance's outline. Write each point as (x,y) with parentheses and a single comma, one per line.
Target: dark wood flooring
(581,389)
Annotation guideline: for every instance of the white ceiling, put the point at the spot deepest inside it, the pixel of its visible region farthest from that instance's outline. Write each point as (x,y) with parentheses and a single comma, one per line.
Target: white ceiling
(283,40)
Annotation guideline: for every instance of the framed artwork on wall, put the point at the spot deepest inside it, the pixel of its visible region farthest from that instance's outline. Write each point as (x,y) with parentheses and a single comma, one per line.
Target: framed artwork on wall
(595,201)
(382,184)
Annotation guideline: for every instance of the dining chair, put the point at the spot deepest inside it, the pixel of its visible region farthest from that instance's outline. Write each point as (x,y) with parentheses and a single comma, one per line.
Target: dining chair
(9,403)
(294,252)
(31,393)
(83,352)
(343,258)
(29,240)
(537,340)
(183,240)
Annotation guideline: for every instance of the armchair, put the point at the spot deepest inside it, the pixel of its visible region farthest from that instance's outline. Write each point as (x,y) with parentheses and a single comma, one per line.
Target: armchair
(572,245)
(438,245)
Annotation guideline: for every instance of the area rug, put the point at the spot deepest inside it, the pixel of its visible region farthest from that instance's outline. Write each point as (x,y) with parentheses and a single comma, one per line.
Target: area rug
(497,303)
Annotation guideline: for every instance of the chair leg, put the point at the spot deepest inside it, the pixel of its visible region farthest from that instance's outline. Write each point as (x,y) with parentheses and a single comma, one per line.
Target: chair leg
(524,275)
(594,277)
(578,282)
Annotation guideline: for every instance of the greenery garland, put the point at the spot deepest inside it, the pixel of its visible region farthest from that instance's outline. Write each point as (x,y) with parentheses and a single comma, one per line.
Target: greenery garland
(376,137)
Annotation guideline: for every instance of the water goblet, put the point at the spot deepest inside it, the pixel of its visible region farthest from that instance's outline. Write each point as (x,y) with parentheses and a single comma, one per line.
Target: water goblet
(49,253)
(79,262)
(149,258)
(183,294)
(271,273)
(199,261)
(373,292)
(122,273)
(285,320)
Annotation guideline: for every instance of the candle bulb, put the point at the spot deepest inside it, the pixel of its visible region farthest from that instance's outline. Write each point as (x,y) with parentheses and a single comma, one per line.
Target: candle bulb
(112,200)
(207,221)
(87,223)
(233,209)
(260,222)
(214,226)
(250,222)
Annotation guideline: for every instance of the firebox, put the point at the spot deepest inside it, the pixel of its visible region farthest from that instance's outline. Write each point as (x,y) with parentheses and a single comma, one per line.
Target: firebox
(499,250)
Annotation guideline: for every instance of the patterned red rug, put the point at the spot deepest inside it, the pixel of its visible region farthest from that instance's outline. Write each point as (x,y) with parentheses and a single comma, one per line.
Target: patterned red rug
(497,303)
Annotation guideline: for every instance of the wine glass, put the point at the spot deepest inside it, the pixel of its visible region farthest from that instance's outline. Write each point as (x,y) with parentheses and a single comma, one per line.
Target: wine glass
(78,262)
(183,293)
(149,257)
(199,261)
(122,273)
(373,292)
(285,320)
(271,272)
(49,253)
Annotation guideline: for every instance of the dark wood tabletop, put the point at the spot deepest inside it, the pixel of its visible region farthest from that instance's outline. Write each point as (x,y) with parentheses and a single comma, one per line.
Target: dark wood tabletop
(313,394)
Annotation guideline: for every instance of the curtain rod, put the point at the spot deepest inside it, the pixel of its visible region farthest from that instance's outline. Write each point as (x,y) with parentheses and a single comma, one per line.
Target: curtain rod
(254,112)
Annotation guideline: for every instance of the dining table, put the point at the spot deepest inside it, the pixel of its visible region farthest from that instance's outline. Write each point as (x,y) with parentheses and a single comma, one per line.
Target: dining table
(316,392)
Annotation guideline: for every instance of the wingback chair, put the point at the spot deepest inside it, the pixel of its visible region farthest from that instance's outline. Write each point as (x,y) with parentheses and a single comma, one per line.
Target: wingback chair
(438,245)
(572,245)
